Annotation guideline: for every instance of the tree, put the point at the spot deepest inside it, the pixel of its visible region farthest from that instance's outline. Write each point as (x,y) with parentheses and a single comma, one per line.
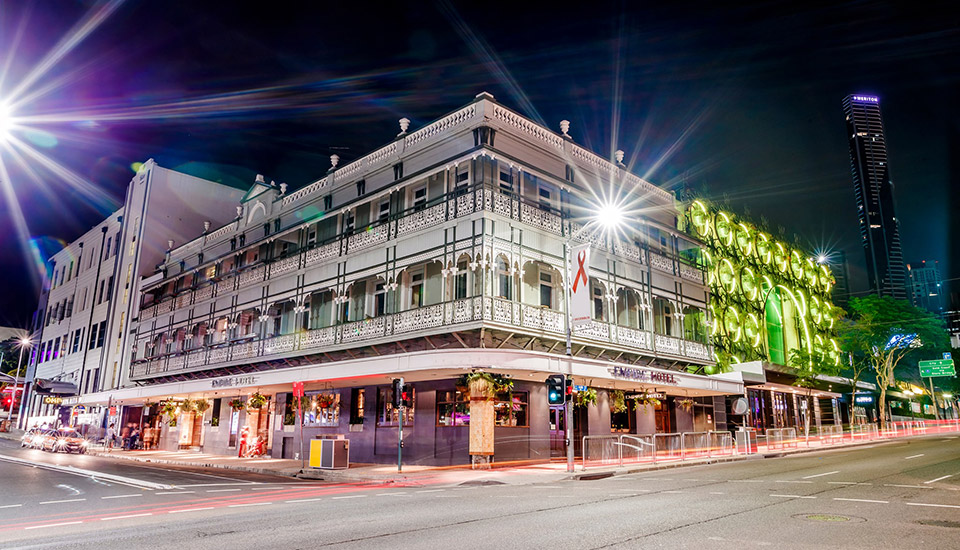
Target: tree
(808,366)
(882,331)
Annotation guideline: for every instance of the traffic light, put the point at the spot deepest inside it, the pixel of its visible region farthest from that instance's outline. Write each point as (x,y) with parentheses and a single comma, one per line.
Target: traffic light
(568,393)
(555,389)
(406,396)
(397,391)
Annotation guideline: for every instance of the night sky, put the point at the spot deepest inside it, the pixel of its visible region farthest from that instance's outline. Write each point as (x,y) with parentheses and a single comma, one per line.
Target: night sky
(742,104)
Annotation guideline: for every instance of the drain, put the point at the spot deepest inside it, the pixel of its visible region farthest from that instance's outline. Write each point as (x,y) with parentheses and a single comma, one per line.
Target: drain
(830,518)
(940,523)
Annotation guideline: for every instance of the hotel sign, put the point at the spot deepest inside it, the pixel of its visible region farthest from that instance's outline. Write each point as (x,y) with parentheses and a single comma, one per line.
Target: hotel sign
(644,375)
(234,382)
(50,400)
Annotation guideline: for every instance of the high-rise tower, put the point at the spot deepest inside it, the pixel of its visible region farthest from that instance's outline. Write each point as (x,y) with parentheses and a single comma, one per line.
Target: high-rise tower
(879,227)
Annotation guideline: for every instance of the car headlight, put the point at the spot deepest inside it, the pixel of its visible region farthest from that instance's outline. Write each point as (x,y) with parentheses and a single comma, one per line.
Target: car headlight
(84,443)
(61,442)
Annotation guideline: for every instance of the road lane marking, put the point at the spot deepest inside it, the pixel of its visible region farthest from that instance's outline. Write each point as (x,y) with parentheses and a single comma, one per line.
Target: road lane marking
(189,510)
(264,488)
(914,456)
(906,486)
(791,481)
(791,496)
(716,493)
(303,500)
(175,492)
(53,525)
(862,500)
(121,496)
(222,490)
(128,516)
(249,504)
(932,505)
(672,492)
(744,481)
(939,479)
(392,494)
(11,506)
(348,496)
(544,486)
(847,483)
(821,475)
(431,491)
(61,501)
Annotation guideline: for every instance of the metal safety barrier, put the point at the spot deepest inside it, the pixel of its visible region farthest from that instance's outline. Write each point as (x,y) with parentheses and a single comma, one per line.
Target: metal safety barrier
(617,450)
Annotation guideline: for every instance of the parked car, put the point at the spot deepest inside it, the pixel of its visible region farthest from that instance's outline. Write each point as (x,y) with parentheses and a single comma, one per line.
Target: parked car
(29,437)
(64,441)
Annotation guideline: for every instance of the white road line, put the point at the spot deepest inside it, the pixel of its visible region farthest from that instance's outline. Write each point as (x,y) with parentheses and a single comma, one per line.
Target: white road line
(791,481)
(862,500)
(939,479)
(60,501)
(716,493)
(791,496)
(348,496)
(264,488)
(914,456)
(222,490)
(121,496)
(189,510)
(744,481)
(392,495)
(53,525)
(175,492)
(431,491)
(820,475)
(906,486)
(673,492)
(303,500)
(545,487)
(249,504)
(847,483)
(12,506)
(125,517)
(932,505)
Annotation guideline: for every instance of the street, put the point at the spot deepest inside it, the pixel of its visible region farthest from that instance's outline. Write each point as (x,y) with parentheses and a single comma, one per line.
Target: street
(902,493)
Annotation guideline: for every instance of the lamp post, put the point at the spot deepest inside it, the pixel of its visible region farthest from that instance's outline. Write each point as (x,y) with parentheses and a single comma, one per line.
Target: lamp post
(22,343)
(609,217)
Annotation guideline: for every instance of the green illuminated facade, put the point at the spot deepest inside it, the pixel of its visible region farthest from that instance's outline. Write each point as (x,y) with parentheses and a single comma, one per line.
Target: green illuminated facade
(767,299)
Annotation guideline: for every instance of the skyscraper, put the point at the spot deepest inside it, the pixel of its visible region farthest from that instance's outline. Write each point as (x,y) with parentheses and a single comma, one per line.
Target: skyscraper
(925,286)
(879,227)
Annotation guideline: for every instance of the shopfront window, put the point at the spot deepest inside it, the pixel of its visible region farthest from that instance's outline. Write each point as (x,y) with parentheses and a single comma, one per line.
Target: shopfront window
(453,408)
(356,405)
(321,409)
(387,414)
(510,409)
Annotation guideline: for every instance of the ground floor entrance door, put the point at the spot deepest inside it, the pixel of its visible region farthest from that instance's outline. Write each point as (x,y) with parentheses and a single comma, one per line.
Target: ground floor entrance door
(558,427)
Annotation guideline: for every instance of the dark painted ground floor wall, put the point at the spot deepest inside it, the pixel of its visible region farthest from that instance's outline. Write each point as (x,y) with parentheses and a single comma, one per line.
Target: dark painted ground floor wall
(537,435)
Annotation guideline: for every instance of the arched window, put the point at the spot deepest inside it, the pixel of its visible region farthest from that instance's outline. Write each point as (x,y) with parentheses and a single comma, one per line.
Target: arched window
(663,312)
(504,278)
(629,313)
(598,300)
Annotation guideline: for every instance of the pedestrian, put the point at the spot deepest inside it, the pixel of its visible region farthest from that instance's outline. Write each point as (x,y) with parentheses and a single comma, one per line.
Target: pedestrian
(125,437)
(111,435)
(134,437)
(242,450)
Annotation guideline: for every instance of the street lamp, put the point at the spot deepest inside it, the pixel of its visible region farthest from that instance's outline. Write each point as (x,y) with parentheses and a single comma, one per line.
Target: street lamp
(610,217)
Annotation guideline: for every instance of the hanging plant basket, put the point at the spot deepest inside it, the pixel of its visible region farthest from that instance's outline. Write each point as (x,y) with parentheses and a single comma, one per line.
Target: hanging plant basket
(201,405)
(236,404)
(326,401)
(618,401)
(585,397)
(188,406)
(686,404)
(256,401)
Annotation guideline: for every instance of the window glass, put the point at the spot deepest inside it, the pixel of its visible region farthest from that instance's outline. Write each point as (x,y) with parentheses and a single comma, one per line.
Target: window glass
(546,289)
(416,289)
(420,197)
(460,284)
(322,409)
(387,414)
(510,409)
(453,408)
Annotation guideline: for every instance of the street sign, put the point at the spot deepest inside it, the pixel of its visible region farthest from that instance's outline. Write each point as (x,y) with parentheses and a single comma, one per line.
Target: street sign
(937,367)
(947,355)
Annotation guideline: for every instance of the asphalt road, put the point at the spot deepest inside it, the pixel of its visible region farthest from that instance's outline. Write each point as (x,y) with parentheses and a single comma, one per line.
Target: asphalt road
(901,494)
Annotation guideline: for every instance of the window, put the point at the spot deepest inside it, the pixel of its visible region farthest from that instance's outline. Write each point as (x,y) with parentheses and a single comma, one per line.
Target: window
(384,210)
(598,303)
(93,336)
(546,289)
(56,348)
(504,279)
(460,282)
(356,405)
(416,289)
(102,333)
(349,222)
(380,300)
(328,202)
(116,240)
(510,409)
(321,409)
(387,414)
(110,288)
(102,285)
(70,271)
(76,341)
(106,249)
(545,196)
(361,188)
(420,197)
(506,181)
(453,408)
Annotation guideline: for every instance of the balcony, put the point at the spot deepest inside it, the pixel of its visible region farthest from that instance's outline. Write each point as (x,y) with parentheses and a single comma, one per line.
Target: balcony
(443,317)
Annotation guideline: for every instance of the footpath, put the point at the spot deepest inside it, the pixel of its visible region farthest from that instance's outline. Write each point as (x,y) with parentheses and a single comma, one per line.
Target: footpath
(514,473)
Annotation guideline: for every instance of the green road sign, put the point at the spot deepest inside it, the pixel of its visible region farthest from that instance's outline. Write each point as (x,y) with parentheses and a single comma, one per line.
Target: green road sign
(937,367)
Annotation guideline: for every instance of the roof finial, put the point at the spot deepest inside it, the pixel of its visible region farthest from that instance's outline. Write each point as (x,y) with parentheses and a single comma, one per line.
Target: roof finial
(260,179)
(619,156)
(334,159)
(565,127)
(404,124)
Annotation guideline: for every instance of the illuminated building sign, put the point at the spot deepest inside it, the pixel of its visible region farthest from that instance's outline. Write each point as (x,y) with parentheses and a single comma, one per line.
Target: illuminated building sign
(50,400)
(233,382)
(863,400)
(642,375)
(869,98)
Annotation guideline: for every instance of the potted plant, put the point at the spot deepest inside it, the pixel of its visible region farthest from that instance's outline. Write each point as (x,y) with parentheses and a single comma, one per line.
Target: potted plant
(170,410)
(257,401)
(618,401)
(201,405)
(686,404)
(236,404)
(187,405)
(646,401)
(585,397)
(326,401)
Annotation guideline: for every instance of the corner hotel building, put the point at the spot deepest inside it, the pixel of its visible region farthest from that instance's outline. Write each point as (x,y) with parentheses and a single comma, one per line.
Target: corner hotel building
(435,255)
